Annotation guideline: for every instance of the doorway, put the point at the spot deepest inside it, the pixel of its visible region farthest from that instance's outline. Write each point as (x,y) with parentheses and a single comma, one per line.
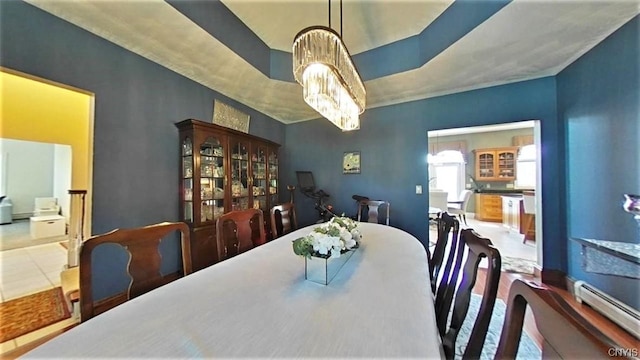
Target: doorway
(501,187)
(42,111)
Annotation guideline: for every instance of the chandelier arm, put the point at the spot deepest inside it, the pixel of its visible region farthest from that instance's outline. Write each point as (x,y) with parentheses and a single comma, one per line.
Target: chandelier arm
(329,13)
(340,19)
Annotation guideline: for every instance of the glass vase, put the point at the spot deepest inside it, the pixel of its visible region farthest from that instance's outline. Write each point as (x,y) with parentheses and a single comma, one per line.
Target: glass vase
(322,270)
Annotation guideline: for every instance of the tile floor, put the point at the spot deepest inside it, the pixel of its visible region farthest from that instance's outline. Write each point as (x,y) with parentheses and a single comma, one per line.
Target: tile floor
(26,271)
(29,270)
(508,242)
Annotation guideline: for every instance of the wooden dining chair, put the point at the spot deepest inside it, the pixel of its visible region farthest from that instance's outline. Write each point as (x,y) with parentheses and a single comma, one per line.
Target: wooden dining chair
(477,248)
(373,212)
(283,219)
(448,228)
(566,333)
(142,267)
(239,231)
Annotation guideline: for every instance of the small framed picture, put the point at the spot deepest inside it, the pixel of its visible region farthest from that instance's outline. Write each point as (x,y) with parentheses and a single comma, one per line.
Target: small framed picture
(351,162)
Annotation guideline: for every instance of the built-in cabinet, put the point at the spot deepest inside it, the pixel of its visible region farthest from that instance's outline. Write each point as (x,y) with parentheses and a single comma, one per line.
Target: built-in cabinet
(489,207)
(222,170)
(496,164)
(511,208)
(515,219)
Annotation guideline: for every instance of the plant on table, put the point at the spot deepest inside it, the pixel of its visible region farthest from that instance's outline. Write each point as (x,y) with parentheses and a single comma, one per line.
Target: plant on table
(330,239)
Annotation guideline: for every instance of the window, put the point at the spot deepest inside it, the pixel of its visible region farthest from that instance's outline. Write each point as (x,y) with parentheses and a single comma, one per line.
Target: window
(447,173)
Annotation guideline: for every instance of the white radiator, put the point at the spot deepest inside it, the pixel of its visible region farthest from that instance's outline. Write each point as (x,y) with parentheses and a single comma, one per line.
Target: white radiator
(625,316)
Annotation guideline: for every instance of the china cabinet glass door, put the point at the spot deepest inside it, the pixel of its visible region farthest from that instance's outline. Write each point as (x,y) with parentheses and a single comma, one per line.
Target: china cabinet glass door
(212,184)
(506,164)
(486,165)
(273,177)
(240,182)
(259,172)
(187,179)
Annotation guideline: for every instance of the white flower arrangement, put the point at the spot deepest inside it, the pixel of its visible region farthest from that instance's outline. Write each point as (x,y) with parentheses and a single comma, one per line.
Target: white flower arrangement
(329,239)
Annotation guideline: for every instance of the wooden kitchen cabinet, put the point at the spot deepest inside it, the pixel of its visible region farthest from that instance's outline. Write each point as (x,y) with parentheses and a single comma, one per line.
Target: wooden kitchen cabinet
(496,164)
(489,207)
(222,170)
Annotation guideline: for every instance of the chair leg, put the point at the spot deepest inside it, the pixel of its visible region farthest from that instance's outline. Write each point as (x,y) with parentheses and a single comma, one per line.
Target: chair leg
(464,218)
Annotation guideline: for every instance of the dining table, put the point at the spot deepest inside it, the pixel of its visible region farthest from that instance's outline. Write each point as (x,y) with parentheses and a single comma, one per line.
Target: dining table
(258,304)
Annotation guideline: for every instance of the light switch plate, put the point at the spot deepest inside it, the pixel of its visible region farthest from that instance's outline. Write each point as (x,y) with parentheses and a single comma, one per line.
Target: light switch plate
(418,189)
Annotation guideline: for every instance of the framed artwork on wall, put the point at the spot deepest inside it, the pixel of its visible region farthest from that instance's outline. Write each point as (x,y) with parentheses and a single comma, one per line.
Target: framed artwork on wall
(351,162)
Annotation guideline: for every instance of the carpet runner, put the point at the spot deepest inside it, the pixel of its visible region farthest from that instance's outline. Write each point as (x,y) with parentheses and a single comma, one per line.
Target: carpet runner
(528,350)
(517,265)
(32,312)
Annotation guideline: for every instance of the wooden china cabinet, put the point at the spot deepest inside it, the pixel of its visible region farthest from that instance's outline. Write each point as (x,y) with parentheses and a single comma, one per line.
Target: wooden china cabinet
(222,170)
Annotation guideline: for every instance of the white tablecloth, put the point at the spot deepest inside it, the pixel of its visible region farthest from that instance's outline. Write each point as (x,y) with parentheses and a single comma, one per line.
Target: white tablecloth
(258,304)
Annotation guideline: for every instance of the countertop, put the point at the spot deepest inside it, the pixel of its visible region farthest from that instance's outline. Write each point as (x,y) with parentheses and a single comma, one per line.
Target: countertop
(500,191)
(626,251)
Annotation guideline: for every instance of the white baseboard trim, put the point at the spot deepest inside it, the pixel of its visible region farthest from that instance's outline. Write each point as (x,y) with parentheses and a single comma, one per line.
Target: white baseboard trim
(21,216)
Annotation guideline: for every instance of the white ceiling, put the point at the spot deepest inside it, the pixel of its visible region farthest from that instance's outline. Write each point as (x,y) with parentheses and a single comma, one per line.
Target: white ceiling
(526,39)
(277,22)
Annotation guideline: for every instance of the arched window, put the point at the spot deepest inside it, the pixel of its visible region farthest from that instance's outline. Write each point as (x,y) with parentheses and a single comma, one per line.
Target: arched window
(447,172)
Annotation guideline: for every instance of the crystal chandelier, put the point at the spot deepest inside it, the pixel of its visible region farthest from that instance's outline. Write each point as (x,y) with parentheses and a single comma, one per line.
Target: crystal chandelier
(331,84)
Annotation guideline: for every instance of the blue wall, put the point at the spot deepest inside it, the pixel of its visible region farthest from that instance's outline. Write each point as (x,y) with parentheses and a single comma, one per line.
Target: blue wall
(136,156)
(137,102)
(599,101)
(393,145)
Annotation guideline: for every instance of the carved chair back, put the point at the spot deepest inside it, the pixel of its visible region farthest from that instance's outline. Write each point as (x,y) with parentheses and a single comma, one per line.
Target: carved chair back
(448,228)
(566,333)
(374,212)
(143,266)
(283,219)
(239,231)
(477,248)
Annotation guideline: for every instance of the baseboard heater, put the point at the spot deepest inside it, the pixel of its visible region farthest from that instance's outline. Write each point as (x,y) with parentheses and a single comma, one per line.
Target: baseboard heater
(627,317)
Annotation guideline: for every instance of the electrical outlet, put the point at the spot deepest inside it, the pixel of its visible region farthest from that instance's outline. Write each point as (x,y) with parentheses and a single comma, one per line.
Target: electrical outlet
(488,186)
(418,189)
(509,186)
(467,186)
